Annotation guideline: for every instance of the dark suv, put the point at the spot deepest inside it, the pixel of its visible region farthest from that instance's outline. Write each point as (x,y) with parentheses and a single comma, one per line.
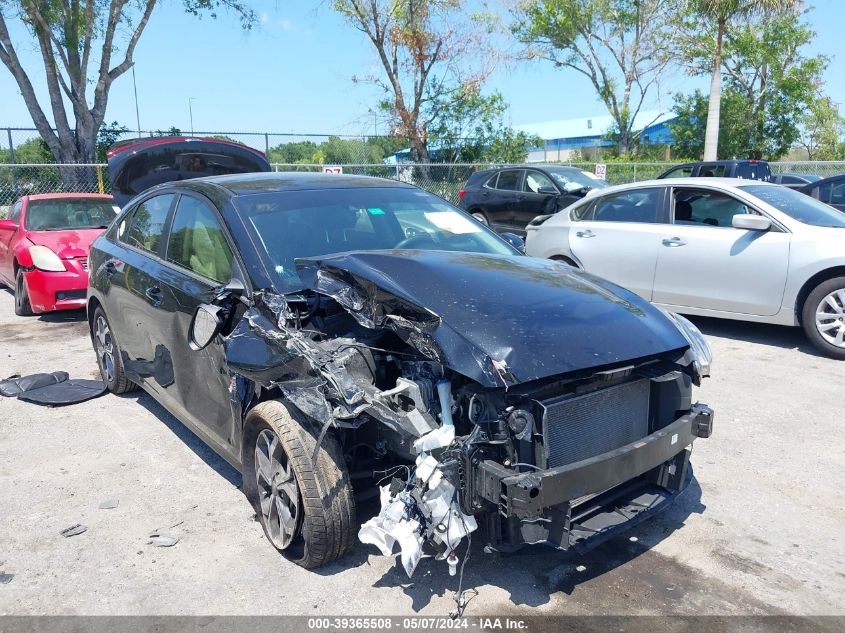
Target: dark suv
(508,198)
(748,169)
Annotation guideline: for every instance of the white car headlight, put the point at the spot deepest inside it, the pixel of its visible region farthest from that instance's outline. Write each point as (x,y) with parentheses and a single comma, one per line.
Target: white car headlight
(45,259)
(702,354)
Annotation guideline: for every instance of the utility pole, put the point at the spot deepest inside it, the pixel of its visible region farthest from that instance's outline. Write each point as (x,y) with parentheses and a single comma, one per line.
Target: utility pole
(191,113)
(137,111)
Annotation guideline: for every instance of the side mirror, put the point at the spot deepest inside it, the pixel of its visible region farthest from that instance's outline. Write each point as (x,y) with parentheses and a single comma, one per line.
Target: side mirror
(751,222)
(514,240)
(547,190)
(8,225)
(205,326)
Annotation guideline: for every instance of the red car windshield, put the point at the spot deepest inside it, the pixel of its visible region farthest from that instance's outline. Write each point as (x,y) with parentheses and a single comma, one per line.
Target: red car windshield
(69,213)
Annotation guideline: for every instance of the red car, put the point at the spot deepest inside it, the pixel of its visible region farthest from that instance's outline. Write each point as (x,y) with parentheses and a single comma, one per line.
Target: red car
(44,248)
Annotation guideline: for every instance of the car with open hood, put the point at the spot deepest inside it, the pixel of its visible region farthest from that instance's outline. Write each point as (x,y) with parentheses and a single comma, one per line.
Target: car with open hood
(44,248)
(338,337)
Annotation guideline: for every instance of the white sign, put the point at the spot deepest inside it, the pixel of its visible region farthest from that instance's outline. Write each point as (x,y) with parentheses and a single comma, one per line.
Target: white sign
(601,170)
(332,169)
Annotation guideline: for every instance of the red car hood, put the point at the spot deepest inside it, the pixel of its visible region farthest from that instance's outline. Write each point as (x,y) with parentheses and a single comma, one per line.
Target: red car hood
(66,244)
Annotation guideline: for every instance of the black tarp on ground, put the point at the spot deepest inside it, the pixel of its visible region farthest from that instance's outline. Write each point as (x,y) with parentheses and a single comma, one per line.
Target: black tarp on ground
(54,389)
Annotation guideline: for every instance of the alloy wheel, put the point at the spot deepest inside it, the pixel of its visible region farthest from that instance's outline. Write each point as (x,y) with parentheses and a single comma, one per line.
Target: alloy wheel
(830,318)
(278,493)
(105,348)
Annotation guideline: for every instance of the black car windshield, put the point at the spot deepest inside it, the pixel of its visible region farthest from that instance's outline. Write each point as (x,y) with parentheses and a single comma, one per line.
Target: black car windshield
(69,213)
(575,179)
(797,205)
(294,224)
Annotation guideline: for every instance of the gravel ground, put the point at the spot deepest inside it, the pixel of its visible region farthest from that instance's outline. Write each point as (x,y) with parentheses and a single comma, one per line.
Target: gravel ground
(760,531)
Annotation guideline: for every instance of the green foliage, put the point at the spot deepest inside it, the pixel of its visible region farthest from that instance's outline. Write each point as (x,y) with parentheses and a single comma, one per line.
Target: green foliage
(34,150)
(337,151)
(768,85)
(107,136)
(171,131)
(823,131)
(621,46)
(470,127)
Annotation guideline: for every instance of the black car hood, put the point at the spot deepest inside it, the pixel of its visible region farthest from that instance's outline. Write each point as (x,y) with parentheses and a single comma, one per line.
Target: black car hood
(499,320)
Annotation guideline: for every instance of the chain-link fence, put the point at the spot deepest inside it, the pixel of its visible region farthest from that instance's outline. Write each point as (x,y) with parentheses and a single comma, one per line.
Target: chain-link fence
(444,179)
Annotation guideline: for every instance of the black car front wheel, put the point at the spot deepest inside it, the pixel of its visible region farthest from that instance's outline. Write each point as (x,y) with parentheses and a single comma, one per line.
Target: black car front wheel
(108,354)
(22,305)
(305,505)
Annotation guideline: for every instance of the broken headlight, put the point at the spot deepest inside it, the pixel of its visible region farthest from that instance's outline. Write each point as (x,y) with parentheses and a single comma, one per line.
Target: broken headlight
(700,348)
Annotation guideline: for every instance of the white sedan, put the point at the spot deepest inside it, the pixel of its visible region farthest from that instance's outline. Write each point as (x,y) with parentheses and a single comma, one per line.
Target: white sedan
(735,249)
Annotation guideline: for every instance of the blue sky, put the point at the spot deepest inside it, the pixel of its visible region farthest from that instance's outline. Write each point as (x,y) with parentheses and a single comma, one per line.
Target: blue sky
(293,74)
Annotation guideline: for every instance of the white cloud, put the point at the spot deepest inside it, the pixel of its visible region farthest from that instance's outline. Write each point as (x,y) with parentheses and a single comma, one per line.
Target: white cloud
(286,25)
(264,18)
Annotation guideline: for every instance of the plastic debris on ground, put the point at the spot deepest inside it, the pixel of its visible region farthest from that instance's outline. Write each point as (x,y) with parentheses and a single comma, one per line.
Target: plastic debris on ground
(160,539)
(73,530)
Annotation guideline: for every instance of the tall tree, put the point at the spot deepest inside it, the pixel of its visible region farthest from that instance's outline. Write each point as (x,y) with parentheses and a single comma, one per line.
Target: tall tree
(718,15)
(822,131)
(85,45)
(621,46)
(427,50)
(763,61)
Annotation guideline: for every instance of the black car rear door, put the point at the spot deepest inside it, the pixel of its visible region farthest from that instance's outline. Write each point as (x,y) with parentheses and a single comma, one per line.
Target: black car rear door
(507,193)
(198,261)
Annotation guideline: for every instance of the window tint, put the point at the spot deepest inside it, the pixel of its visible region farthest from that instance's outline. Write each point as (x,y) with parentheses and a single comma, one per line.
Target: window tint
(679,172)
(534,180)
(822,193)
(147,223)
(197,241)
(837,193)
(510,180)
(754,171)
(791,180)
(712,171)
(640,205)
(701,207)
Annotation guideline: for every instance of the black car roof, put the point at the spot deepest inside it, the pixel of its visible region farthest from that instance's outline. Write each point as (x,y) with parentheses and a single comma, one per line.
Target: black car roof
(269,182)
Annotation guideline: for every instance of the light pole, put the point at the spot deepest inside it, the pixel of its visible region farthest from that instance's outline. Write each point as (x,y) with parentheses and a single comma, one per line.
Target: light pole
(137,111)
(191,113)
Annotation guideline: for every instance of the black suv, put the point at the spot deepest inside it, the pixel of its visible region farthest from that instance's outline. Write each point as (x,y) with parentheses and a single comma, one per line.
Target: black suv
(508,198)
(748,169)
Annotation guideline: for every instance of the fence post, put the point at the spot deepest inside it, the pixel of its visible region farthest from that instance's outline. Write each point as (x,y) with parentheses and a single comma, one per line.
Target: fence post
(635,172)
(267,144)
(12,159)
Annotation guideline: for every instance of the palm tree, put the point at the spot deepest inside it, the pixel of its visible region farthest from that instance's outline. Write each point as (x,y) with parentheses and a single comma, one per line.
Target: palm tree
(722,12)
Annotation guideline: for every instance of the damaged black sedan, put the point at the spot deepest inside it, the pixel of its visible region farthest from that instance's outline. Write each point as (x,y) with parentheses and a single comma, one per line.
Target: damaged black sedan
(336,337)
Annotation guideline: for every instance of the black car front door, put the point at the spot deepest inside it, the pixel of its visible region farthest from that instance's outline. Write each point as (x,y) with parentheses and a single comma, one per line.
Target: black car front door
(199,261)
(539,196)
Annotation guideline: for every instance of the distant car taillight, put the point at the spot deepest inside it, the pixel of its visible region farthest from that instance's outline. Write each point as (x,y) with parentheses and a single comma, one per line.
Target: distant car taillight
(461,193)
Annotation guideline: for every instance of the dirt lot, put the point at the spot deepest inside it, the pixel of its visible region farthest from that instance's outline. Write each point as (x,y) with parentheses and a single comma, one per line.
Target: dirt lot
(760,531)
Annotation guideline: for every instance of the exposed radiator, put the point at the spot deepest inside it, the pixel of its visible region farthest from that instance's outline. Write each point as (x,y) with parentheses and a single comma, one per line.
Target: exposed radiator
(578,427)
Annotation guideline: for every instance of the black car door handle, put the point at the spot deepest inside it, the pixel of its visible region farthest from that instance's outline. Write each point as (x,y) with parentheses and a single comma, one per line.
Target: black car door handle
(154,295)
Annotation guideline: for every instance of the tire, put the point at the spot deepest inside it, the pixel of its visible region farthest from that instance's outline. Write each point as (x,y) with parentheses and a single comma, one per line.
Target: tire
(321,521)
(105,345)
(22,305)
(823,317)
(480,216)
(564,260)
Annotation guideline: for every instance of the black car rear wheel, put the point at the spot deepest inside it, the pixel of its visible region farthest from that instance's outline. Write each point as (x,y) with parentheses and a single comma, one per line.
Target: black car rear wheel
(22,305)
(305,505)
(108,354)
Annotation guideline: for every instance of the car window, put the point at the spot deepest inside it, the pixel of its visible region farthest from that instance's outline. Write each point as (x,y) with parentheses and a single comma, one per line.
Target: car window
(510,180)
(798,206)
(59,214)
(679,172)
(791,180)
(298,224)
(755,171)
(147,223)
(491,182)
(197,241)
(15,213)
(837,193)
(822,193)
(700,207)
(534,180)
(640,205)
(712,171)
